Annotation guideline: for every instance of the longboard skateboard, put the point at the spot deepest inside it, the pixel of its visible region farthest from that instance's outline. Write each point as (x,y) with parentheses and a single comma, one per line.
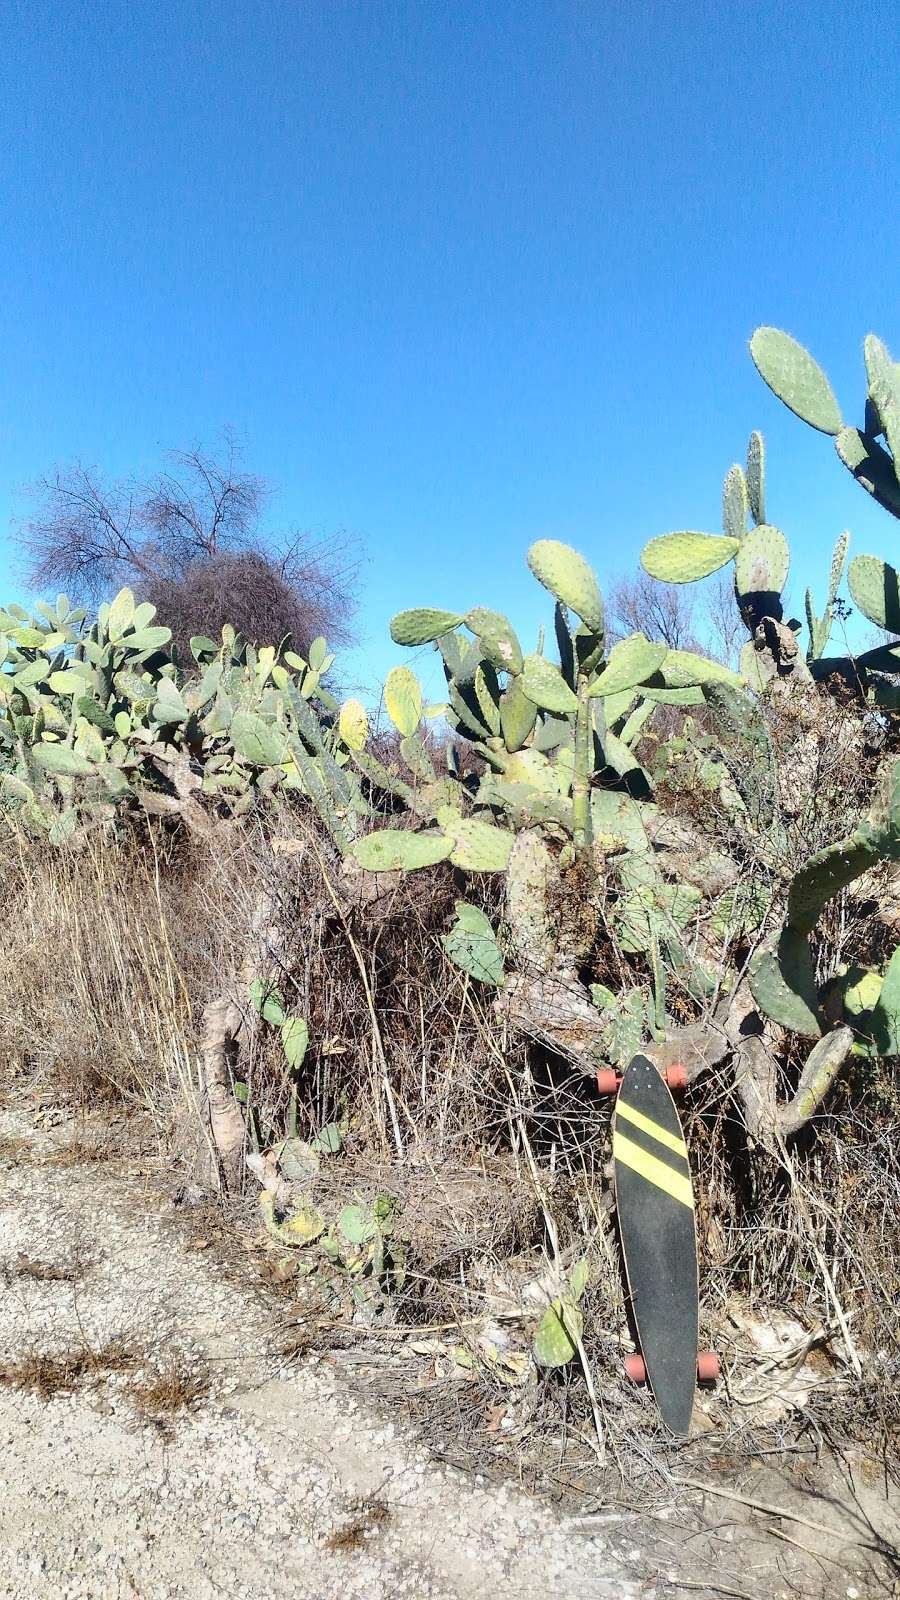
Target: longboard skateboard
(655,1207)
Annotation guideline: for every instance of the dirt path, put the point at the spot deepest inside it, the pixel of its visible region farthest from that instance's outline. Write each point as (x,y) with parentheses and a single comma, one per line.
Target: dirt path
(277,1482)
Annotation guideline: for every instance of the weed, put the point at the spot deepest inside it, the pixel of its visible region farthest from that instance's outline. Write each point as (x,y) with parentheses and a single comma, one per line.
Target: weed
(62,1372)
(179,1386)
(366,1517)
(42,1271)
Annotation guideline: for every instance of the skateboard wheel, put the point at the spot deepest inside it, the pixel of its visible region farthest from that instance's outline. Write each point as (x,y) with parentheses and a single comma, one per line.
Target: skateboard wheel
(608,1081)
(708,1366)
(676,1077)
(635,1368)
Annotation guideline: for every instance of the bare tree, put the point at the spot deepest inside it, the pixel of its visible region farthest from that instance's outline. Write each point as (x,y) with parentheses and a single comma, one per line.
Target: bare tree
(190,540)
(664,611)
(250,591)
(725,632)
(683,616)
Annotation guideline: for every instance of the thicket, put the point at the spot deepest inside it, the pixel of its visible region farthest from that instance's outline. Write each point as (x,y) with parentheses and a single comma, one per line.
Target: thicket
(375,971)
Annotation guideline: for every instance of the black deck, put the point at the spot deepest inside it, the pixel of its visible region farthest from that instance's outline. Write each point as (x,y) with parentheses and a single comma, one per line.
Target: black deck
(654,1200)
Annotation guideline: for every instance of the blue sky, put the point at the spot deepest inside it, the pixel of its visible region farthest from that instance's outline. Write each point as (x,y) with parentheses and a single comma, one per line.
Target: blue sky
(461,275)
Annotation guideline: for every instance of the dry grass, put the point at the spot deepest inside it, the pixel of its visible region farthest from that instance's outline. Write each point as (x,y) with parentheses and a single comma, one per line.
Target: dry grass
(82,1152)
(180,1385)
(25,1268)
(365,1518)
(15,1151)
(47,1374)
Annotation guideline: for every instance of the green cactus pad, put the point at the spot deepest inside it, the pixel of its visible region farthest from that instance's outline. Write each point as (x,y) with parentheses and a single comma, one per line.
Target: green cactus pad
(884,392)
(295,1041)
(618,821)
(886,1014)
(423,625)
(569,577)
(497,637)
(632,661)
(645,913)
(756,477)
(875,587)
(394,850)
(783,985)
(682,669)
(688,695)
(69,680)
(268,1001)
(558,1332)
(169,708)
(472,945)
(487,693)
(148,640)
(61,761)
(476,846)
(871,466)
(761,564)
(735,503)
(837,566)
(518,715)
(861,989)
(546,687)
(795,378)
(257,741)
(403,699)
(121,614)
(203,648)
(686,556)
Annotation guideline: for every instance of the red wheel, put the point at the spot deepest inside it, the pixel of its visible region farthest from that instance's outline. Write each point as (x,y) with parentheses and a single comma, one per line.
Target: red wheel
(635,1368)
(608,1081)
(708,1366)
(676,1077)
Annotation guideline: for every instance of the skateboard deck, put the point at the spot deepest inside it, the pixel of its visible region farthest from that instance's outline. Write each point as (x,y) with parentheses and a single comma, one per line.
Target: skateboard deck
(655,1206)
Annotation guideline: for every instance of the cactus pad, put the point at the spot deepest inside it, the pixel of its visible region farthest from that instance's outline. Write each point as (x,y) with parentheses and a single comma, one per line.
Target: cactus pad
(795,378)
(756,477)
(886,1014)
(735,503)
(568,576)
(545,685)
(558,1333)
(403,699)
(497,637)
(686,556)
(472,946)
(875,587)
(631,661)
(475,846)
(395,850)
(871,466)
(422,626)
(884,392)
(783,984)
(518,715)
(761,564)
(353,724)
(255,740)
(683,669)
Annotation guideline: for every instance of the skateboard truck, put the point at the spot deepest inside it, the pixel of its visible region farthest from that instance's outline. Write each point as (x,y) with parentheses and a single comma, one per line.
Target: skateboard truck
(608,1080)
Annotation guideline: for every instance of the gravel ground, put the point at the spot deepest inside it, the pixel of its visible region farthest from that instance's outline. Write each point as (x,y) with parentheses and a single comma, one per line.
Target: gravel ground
(279,1481)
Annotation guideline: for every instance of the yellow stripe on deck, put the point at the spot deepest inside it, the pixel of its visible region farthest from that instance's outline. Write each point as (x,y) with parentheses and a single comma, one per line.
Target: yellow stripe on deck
(647,1125)
(655,1171)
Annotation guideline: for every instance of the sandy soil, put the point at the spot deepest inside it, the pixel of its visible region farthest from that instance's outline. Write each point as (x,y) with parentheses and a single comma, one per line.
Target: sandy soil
(277,1482)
